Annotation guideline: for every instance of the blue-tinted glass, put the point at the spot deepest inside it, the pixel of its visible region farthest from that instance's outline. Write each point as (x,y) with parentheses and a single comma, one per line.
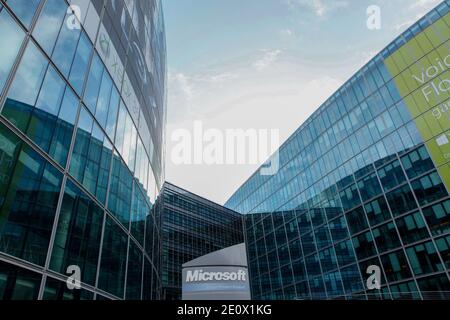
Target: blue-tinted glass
(113,108)
(91,157)
(429,188)
(386,237)
(134,273)
(28,200)
(401,200)
(113,259)
(65,47)
(120,191)
(49,23)
(369,187)
(101,112)
(338,229)
(77,240)
(25,87)
(412,228)
(80,63)
(364,245)
(138,214)
(357,220)
(351,279)
(377,211)
(438,217)
(391,175)
(11,39)
(93,83)
(24,9)
(395,266)
(424,259)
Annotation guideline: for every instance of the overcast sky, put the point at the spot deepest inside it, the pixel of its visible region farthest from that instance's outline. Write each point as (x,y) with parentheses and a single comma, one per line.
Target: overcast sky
(263,64)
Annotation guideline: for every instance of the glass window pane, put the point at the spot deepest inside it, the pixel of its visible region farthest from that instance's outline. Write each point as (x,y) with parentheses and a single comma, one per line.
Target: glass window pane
(91,157)
(80,63)
(11,39)
(24,9)
(17,283)
(28,199)
(120,191)
(65,47)
(401,200)
(134,273)
(57,290)
(78,235)
(438,217)
(412,228)
(396,266)
(113,260)
(429,188)
(25,87)
(424,259)
(49,23)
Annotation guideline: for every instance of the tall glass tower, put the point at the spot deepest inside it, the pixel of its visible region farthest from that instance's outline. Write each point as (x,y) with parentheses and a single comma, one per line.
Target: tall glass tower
(82,117)
(363,186)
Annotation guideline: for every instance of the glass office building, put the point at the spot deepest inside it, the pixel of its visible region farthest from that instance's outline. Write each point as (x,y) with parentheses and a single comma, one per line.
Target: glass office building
(82,117)
(191,228)
(363,182)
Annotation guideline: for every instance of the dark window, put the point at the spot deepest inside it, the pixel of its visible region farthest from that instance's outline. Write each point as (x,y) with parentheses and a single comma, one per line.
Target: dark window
(395,266)
(443,245)
(369,187)
(438,217)
(357,220)
(424,259)
(412,228)
(113,260)
(344,253)
(17,283)
(364,245)
(417,162)
(435,288)
(401,200)
(429,188)
(350,198)
(28,199)
(134,273)
(57,290)
(77,240)
(391,175)
(377,211)
(386,237)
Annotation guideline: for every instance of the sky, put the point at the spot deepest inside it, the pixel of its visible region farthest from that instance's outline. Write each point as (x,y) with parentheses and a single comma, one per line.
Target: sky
(263,64)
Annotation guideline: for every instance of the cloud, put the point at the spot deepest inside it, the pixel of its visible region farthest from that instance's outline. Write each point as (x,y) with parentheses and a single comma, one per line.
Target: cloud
(319,7)
(268,58)
(419,8)
(425,4)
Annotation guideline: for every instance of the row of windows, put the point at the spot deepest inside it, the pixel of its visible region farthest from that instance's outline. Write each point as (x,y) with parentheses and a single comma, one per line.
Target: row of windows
(42,106)
(343,105)
(28,203)
(192,227)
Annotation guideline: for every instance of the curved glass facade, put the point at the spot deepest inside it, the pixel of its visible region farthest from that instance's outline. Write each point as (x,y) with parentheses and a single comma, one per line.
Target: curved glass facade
(82,117)
(363,182)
